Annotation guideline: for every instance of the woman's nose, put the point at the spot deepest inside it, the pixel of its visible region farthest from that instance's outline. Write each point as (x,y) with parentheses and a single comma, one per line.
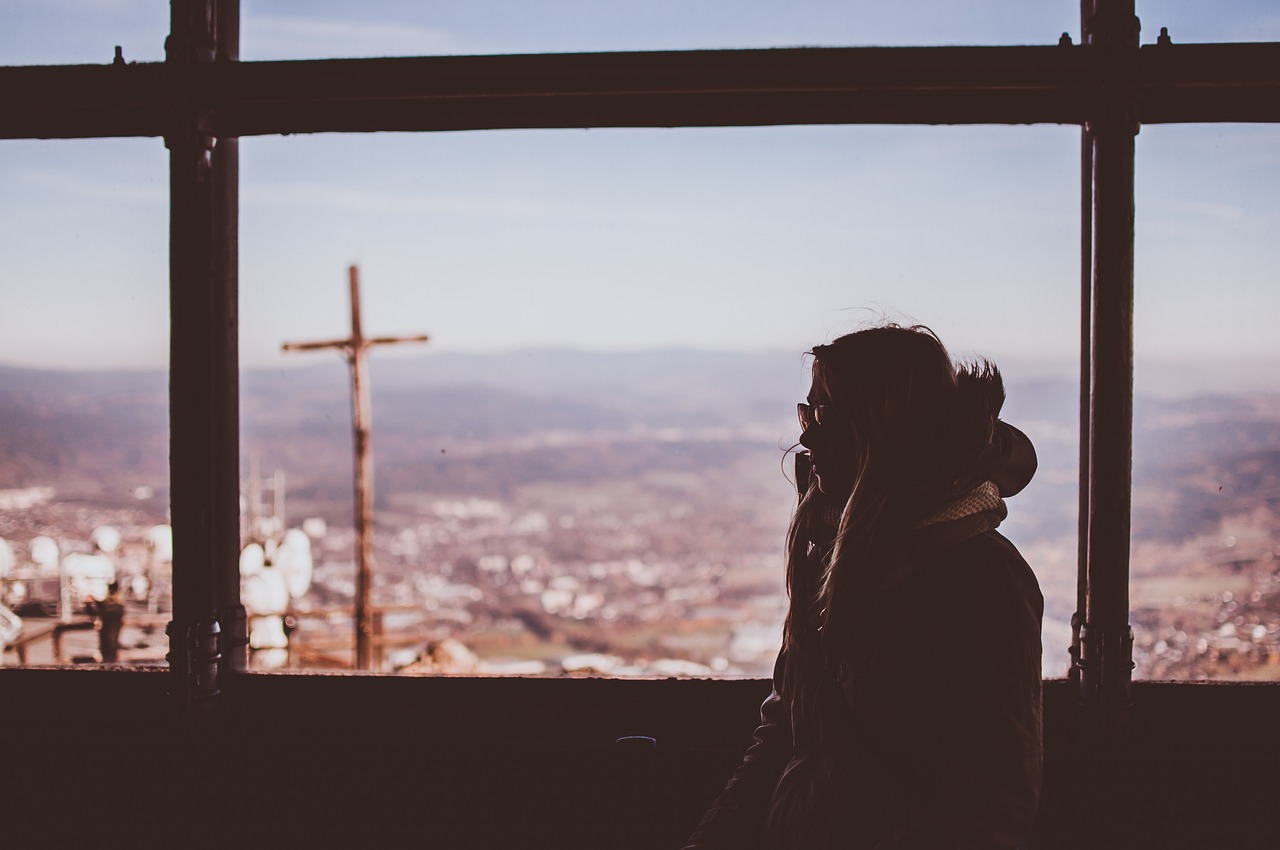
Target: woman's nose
(808,437)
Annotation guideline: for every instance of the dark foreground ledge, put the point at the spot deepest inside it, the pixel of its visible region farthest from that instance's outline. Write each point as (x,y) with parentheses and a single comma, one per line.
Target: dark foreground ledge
(360,760)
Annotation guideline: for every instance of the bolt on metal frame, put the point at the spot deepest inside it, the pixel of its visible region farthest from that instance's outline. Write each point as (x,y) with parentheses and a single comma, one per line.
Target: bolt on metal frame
(202,99)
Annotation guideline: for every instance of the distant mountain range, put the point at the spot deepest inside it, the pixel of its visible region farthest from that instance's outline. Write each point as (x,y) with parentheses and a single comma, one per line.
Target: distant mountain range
(485,424)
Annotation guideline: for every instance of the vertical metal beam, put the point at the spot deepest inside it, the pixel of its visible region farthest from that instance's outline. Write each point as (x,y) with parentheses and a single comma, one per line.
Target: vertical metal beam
(1086,385)
(224,318)
(1086,369)
(203,368)
(1106,642)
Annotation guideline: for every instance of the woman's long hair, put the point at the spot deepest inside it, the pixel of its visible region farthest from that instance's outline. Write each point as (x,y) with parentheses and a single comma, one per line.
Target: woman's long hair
(916,424)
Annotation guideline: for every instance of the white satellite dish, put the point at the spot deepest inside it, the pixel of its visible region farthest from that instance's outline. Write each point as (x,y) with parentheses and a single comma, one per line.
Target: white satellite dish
(252,559)
(10,626)
(296,538)
(160,539)
(6,557)
(88,575)
(106,538)
(268,633)
(265,594)
(294,561)
(44,554)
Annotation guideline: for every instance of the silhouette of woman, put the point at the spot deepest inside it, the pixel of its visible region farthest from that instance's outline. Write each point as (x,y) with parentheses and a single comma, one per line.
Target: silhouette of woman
(905,710)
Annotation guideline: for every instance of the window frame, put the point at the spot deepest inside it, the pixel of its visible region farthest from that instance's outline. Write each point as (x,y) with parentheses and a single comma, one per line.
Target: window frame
(202,99)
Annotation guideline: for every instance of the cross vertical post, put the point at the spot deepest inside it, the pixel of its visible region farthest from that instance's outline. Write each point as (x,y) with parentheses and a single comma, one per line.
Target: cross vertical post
(354,348)
(360,416)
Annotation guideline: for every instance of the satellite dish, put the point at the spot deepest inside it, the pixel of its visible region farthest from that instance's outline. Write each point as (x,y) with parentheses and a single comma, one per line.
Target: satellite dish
(251,594)
(88,575)
(251,560)
(268,633)
(294,561)
(160,539)
(6,557)
(106,538)
(265,594)
(10,626)
(296,538)
(44,554)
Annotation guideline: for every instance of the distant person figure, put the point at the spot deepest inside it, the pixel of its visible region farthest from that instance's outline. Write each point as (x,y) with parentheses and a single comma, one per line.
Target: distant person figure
(110,613)
(905,710)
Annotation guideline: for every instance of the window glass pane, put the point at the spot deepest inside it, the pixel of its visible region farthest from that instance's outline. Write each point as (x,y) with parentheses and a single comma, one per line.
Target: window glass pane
(84,473)
(293,30)
(82,32)
(1190,21)
(585,466)
(86,31)
(1206,589)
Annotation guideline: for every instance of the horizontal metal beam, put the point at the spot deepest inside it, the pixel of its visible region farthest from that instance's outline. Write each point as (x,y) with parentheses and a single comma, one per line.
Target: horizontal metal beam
(908,85)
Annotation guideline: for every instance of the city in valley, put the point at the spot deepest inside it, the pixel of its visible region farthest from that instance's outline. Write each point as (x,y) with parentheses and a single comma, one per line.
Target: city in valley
(523,526)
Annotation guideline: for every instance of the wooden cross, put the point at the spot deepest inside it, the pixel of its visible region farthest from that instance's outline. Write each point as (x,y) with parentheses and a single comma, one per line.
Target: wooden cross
(354,348)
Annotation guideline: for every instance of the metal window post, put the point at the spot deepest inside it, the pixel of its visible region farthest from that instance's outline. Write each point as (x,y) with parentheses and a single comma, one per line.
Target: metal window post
(1106,640)
(225,320)
(207,633)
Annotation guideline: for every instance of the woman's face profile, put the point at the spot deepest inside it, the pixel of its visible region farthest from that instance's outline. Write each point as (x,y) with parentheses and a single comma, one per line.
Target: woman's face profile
(830,443)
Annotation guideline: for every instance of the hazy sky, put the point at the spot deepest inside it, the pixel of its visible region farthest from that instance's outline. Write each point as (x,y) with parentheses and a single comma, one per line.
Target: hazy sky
(720,238)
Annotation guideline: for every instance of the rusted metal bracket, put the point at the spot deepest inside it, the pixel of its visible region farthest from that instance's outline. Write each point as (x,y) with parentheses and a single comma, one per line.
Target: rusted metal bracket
(194,656)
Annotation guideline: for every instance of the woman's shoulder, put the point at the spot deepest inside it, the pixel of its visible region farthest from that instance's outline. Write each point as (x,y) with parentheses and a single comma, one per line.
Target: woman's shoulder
(987,567)
(990,546)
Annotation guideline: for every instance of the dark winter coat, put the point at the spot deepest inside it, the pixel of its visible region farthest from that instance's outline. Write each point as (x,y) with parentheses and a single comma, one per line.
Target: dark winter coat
(930,709)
